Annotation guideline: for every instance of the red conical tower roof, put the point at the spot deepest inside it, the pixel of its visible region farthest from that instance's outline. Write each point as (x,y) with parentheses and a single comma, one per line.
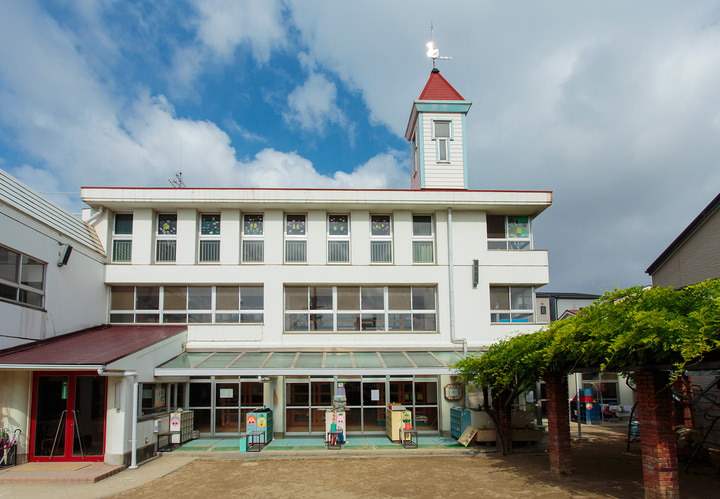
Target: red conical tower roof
(438,88)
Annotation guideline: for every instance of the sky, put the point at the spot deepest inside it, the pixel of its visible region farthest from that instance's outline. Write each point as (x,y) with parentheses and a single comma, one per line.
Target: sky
(614,106)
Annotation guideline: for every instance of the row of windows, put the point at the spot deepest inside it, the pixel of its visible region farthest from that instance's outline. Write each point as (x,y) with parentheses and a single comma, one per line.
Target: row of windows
(22,278)
(338,232)
(186,304)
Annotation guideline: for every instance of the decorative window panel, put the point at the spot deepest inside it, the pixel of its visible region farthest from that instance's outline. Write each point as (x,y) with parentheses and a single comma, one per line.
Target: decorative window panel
(509,232)
(512,304)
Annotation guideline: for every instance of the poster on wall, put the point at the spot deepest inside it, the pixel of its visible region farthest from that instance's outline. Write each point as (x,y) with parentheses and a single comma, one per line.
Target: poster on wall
(159,399)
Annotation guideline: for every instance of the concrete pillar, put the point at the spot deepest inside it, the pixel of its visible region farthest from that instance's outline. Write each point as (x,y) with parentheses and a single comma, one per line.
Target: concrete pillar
(556,386)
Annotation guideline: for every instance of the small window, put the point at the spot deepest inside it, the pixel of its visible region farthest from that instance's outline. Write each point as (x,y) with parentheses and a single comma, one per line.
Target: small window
(295,238)
(442,134)
(22,278)
(166,238)
(122,237)
(509,232)
(423,241)
(209,251)
(511,304)
(380,239)
(338,239)
(253,244)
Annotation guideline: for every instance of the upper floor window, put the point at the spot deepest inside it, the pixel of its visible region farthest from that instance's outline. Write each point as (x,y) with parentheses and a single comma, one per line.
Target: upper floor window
(380,239)
(442,134)
(295,238)
(22,278)
(423,241)
(509,232)
(338,239)
(253,244)
(122,237)
(166,238)
(511,304)
(209,250)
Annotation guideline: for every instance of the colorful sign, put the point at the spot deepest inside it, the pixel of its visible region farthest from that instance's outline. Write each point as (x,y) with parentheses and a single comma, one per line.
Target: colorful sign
(251,420)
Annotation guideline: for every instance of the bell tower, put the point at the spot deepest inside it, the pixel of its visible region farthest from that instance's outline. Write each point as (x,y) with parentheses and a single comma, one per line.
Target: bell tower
(436,131)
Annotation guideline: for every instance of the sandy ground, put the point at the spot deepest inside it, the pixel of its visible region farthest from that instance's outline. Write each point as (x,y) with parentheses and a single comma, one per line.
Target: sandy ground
(602,468)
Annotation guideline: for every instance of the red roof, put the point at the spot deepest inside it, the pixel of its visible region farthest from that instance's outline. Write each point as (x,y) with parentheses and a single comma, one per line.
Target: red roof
(96,346)
(438,88)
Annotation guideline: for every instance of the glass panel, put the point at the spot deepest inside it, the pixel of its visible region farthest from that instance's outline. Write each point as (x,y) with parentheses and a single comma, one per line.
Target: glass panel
(251,393)
(227,420)
(250,359)
(209,251)
(426,392)
(422,225)
(298,420)
(200,318)
(395,359)
(122,250)
(373,322)
(253,225)
(399,298)
(298,394)
(348,298)
(423,298)
(167,224)
(90,414)
(227,318)
(442,129)
(175,298)
(218,360)
(426,418)
(521,298)
(122,318)
(367,359)
(123,223)
(518,227)
(373,298)
(202,419)
(52,393)
(496,226)
(174,318)
(227,394)
(442,149)
(500,317)
(30,298)
(448,358)
(32,273)
(295,251)
(147,318)
(296,298)
(7,292)
(281,359)
(199,298)
(322,392)
(165,250)
(308,359)
(348,322)
(380,225)
(518,245)
(373,392)
(497,245)
(381,251)
(424,322)
(499,298)
(352,391)
(251,318)
(200,394)
(374,418)
(210,225)
(338,359)
(424,359)
(227,298)
(423,251)
(296,322)
(9,261)
(148,298)
(400,322)
(338,225)
(122,297)
(186,360)
(321,298)
(526,317)
(321,322)
(251,298)
(295,225)
(338,251)
(253,251)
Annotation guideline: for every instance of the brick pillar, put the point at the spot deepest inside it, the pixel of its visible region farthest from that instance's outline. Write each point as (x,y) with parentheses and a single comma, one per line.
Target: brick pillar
(558,412)
(659,454)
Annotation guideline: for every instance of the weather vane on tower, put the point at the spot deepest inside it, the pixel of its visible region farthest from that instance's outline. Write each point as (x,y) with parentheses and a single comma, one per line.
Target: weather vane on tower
(432,52)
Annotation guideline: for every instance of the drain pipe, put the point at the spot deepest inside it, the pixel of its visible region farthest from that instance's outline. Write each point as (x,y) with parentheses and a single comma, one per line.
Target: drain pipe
(95,216)
(133,441)
(451,283)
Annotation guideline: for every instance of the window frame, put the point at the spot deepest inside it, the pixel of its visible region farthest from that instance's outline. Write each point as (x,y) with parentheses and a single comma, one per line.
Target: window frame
(511,311)
(161,237)
(253,238)
(442,143)
(376,238)
(334,238)
(17,283)
(295,238)
(508,243)
(122,237)
(208,238)
(423,238)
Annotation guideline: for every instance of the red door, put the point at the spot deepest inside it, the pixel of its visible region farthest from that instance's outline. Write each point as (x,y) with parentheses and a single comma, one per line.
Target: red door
(68,417)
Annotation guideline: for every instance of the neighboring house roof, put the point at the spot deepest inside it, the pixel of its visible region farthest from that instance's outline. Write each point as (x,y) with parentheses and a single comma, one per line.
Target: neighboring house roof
(685,235)
(571,312)
(438,88)
(566,296)
(90,347)
(20,197)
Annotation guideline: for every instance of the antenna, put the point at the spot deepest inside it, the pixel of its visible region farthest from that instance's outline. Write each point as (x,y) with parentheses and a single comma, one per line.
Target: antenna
(432,52)
(177,182)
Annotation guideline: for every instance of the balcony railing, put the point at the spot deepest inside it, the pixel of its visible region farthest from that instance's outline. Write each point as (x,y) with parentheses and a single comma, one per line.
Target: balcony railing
(338,251)
(165,251)
(253,251)
(381,251)
(296,251)
(122,250)
(209,251)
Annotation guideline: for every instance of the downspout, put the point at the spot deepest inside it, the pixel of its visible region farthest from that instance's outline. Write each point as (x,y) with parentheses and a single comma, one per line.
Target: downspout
(93,218)
(451,283)
(133,441)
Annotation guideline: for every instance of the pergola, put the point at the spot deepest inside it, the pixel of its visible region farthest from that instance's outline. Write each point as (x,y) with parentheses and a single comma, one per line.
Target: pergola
(651,334)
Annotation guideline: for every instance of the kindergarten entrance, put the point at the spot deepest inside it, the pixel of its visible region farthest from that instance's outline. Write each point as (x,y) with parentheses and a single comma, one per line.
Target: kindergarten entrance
(68,417)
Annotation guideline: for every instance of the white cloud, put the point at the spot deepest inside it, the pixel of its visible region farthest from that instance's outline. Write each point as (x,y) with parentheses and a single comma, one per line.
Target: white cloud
(313,106)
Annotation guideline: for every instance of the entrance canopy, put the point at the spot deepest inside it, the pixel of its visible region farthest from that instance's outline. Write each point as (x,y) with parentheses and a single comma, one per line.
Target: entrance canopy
(310,363)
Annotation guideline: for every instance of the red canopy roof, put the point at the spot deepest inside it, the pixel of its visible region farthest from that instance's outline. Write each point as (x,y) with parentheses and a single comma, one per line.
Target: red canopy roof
(438,88)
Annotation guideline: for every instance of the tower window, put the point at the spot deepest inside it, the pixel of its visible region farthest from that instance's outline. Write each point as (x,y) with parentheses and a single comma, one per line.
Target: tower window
(442,134)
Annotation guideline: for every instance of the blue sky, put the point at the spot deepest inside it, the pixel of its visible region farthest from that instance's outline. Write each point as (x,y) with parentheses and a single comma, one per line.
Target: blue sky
(611,105)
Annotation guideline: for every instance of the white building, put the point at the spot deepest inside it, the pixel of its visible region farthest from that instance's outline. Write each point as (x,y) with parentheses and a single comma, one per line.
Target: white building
(274,297)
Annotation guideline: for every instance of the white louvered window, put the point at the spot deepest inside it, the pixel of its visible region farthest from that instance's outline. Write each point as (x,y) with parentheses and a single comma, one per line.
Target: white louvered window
(253,245)
(209,240)
(122,238)
(295,238)
(338,239)
(381,239)
(166,238)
